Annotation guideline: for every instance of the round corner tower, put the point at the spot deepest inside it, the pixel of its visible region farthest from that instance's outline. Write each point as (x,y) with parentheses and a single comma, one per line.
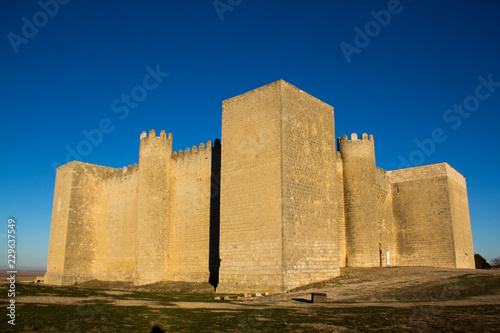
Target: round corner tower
(360,200)
(153,214)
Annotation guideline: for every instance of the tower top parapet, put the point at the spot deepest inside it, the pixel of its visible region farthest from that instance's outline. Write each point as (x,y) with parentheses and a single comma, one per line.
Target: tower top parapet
(152,133)
(354,137)
(356,145)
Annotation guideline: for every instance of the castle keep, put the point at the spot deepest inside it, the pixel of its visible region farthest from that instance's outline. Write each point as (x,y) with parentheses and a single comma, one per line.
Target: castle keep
(280,202)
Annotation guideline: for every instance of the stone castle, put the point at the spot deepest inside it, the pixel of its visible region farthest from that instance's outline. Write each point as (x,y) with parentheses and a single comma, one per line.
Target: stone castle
(279,204)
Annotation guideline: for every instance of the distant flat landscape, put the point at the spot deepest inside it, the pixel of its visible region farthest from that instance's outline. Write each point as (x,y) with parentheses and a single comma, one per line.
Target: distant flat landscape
(28,275)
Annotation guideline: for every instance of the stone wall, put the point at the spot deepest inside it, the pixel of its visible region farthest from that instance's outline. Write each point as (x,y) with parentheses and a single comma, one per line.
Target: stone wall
(360,201)
(423,218)
(464,251)
(190,214)
(251,242)
(117,226)
(308,155)
(153,208)
(339,203)
(59,225)
(278,212)
(79,192)
(387,246)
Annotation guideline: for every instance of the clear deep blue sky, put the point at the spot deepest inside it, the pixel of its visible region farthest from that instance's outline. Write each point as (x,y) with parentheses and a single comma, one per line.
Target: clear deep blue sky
(400,86)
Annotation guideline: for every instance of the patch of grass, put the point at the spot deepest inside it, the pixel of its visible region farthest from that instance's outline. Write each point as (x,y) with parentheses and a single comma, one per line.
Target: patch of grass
(99,317)
(130,292)
(454,288)
(318,285)
(29,289)
(346,277)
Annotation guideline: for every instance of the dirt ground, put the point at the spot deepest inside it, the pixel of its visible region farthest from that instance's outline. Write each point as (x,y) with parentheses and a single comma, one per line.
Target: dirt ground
(396,299)
(393,287)
(356,287)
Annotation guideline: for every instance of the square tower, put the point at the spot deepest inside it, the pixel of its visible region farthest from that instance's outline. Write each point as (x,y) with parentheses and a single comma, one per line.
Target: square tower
(278,227)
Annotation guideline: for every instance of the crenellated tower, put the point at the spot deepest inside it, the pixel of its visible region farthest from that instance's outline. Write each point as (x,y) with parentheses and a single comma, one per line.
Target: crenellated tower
(153,207)
(360,200)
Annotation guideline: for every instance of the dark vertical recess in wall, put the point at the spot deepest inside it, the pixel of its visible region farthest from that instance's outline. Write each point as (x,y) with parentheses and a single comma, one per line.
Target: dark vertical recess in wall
(213,257)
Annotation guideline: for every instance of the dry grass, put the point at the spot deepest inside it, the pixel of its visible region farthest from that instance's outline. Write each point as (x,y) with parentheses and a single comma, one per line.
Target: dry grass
(391,299)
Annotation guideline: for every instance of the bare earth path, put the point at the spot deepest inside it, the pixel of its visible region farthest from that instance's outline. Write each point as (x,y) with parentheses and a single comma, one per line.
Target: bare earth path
(356,287)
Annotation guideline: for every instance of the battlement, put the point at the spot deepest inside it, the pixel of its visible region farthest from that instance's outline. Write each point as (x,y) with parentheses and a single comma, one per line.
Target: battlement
(187,153)
(382,172)
(354,150)
(152,133)
(354,137)
(382,176)
(129,168)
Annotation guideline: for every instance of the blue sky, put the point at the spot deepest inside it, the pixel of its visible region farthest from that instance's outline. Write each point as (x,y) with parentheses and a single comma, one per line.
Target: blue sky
(398,70)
